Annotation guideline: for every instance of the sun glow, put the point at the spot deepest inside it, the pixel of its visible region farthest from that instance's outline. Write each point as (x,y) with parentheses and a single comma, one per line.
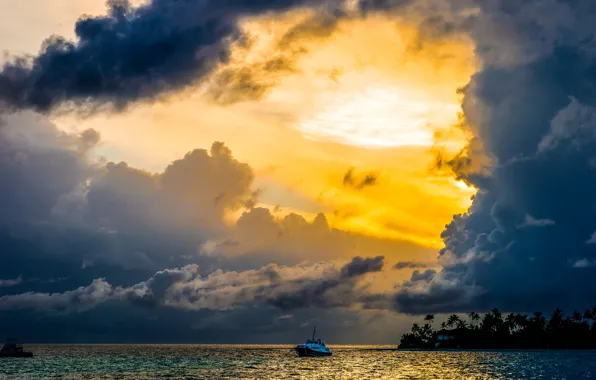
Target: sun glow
(380,117)
(370,95)
(372,83)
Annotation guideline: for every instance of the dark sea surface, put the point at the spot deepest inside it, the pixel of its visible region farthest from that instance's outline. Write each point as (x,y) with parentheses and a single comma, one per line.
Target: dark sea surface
(280,362)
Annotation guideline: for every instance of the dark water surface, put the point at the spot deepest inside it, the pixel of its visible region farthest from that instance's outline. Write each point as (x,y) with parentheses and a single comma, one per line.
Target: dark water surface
(280,362)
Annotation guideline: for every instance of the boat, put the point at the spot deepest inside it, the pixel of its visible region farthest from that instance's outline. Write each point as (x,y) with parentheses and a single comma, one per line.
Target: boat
(313,347)
(12,349)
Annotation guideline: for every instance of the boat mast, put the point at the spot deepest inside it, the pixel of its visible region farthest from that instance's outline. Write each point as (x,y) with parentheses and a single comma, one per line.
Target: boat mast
(313,332)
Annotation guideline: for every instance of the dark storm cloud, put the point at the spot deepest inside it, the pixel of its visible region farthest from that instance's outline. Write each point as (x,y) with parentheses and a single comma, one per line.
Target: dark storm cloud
(427,275)
(286,288)
(382,5)
(359,181)
(360,266)
(525,244)
(88,237)
(62,215)
(331,291)
(53,161)
(241,81)
(438,296)
(102,232)
(191,192)
(130,54)
(81,299)
(410,265)
(532,109)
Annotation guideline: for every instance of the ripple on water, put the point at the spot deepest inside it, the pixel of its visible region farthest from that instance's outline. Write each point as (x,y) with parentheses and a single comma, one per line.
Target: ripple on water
(274,362)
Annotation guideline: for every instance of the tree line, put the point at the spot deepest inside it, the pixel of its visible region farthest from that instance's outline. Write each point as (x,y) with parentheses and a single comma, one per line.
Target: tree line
(494,330)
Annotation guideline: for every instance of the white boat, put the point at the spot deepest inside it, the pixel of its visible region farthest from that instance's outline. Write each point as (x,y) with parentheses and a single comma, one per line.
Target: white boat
(313,347)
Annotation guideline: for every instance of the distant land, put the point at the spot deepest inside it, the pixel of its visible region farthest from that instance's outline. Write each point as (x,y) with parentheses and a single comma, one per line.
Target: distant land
(513,331)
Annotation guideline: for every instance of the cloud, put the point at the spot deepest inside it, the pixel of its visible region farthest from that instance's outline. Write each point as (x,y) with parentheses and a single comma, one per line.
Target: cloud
(244,80)
(382,5)
(259,236)
(120,225)
(34,152)
(592,239)
(359,182)
(575,123)
(158,48)
(78,300)
(130,54)
(107,229)
(359,266)
(64,214)
(437,296)
(530,221)
(287,288)
(530,108)
(192,192)
(409,265)
(427,275)
(584,263)
(13,282)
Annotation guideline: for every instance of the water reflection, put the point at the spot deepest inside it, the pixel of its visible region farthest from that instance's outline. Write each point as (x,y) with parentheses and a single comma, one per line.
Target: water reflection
(280,362)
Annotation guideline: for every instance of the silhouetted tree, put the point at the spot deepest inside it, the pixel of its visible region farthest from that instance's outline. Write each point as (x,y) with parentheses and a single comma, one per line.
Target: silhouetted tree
(576,331)
(452,320)
(474,317)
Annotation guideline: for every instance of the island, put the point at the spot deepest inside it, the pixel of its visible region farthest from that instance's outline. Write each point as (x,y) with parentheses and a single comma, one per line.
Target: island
(493,330)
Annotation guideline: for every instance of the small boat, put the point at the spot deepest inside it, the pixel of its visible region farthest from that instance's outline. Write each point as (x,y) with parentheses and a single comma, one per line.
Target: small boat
(313,347)
(12,349)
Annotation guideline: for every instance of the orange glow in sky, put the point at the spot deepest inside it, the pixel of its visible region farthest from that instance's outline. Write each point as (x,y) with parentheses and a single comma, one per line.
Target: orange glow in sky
(369,95)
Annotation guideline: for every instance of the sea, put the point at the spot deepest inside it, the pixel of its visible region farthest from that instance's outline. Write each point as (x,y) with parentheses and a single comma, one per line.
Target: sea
(280,362)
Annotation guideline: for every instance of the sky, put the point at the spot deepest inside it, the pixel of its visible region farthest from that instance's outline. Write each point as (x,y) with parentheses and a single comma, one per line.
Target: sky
(239,171)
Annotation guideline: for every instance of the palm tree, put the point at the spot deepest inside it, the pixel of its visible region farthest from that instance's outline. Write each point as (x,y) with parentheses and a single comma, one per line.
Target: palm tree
(452,320)
(513,331)
(590,316)
(511,321)
(415,329)
(521,321)
(497,314)
(426,332)
(429,318)
(556,319)
(538,321)
(577,317)
(538,316)
(474,317)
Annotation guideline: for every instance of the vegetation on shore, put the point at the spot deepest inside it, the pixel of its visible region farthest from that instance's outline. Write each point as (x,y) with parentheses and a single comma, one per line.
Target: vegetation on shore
(519,331)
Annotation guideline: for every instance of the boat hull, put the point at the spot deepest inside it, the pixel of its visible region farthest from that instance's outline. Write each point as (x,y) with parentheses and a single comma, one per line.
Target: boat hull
(307,352)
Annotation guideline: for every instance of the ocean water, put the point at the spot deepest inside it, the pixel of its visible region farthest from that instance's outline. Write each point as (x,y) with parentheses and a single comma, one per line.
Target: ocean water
(280,362)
